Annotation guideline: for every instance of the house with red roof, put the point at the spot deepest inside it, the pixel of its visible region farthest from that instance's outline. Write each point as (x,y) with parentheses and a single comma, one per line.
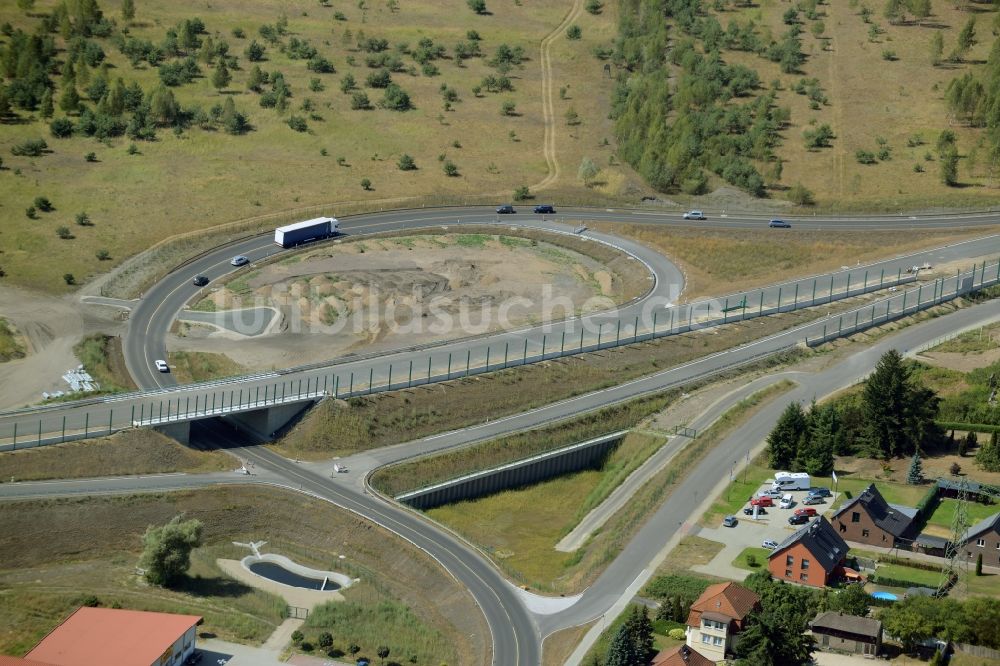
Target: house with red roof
(717,617)
(104,636)
(681,655)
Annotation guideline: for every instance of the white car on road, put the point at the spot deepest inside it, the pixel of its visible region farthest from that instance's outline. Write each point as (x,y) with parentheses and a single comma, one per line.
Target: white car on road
(161,365)
(239,260)
(770,544)
(694,215)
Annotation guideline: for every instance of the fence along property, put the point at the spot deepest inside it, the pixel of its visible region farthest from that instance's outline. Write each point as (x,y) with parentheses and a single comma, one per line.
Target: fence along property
(161,407)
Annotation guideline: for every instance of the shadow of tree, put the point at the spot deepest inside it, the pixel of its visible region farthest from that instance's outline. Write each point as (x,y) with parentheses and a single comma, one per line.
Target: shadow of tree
(215,586)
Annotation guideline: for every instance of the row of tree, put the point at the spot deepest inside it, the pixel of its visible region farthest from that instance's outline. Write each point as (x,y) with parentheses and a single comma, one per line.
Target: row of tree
(893,416)
(975,620)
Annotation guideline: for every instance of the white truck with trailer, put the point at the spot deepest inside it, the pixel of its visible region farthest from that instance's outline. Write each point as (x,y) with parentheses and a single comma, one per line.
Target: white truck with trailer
(291,235)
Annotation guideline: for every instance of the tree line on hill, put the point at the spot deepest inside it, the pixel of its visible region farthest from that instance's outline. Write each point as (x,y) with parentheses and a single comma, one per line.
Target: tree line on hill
(678,106)
(893,416)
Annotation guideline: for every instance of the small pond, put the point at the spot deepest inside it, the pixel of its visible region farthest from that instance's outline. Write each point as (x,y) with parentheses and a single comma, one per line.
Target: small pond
(280,574)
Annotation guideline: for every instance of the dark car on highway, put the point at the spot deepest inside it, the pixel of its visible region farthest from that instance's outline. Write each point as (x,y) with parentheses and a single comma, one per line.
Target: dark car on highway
(506,209)
(545,209)
(200,281)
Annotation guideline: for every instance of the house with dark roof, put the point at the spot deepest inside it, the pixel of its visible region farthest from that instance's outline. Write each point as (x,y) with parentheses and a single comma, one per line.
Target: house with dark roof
(814,555)
(983,538)
(717,617)
(836,632)
(869,519)
(681,655)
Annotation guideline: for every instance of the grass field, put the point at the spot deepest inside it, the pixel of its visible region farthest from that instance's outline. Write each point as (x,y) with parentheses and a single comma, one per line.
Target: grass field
(188,366)
(918,577)
(11,344)
(759,556)
(520,528)
(55,553)
(945,513)
(140,451)
(690,551)
(715,261)
(894,493)
(978,340)
(273,168)
(870,97)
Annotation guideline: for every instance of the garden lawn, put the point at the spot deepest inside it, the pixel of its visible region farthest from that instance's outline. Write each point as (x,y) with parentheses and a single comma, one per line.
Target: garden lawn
(945,513)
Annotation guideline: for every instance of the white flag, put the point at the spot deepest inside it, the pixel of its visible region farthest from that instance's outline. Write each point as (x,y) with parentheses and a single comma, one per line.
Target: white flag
(834,476)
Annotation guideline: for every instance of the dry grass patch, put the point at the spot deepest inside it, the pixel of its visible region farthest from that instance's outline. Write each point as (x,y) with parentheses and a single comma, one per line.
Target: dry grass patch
(715,259)
(56,552)
(870,97)
(191,366)
(139,451)
(519,528)
(11,342)
(558,646)
(688,553)
(342,428)
(274,168)
(101,356)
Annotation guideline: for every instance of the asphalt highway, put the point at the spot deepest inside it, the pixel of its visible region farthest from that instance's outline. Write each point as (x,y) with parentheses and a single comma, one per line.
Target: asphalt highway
(515,631)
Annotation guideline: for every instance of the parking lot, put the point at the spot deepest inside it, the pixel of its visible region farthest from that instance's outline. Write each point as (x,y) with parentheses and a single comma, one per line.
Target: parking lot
(751,533)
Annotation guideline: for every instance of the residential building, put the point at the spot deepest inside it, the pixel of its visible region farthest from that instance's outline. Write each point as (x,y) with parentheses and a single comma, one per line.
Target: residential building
(869,519)
(983,538)
(837,632)
(814,555)
(681,655)
(717,617)
(102,636)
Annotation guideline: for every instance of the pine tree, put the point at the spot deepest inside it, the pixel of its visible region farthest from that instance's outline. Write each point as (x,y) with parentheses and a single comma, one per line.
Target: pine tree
(46,106)
(937,48)
(915,475)
(899,415)
(70,99)
(824,427)
(988,455)
(621,651)
(221,76)
(783,442)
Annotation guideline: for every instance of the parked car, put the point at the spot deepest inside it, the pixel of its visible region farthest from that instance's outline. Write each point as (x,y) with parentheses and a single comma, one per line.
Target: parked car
(748,511)
(239,260)
(729,521)
(545,209)
(798,519)
(764,500)
(200,281)
(506,209)
(770,544)
(694,215)
(161,365)
(779,224)
(820,492)
(770,492)
(807,511)
(813,499)
(787,501)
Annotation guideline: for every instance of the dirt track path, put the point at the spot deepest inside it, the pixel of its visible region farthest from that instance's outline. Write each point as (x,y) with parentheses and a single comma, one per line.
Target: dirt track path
(548,107)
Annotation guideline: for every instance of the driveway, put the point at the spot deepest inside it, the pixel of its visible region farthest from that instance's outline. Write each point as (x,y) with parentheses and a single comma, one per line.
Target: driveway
(750,533)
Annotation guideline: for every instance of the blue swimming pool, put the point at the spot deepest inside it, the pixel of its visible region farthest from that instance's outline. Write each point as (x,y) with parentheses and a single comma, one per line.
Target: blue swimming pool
(279,574)
(885,596)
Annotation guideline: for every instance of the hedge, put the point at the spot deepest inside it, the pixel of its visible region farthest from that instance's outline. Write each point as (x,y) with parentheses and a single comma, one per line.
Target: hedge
(928,503)
(968,427)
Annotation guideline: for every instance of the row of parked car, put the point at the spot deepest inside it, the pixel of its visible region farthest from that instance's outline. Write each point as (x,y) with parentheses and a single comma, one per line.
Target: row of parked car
(767,499)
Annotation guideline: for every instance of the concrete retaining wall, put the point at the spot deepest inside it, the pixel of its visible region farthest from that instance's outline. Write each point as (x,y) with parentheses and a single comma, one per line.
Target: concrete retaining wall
(516,474)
